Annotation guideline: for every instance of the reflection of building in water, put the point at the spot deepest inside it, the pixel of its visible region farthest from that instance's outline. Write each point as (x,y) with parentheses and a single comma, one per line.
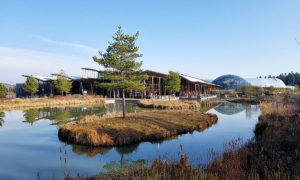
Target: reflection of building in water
(230,108)
(208,105)
(251,109)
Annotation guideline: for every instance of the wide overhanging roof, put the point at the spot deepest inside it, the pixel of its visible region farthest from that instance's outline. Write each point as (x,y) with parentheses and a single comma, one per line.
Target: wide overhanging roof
(42,78)
(90,69)
(196,80)
(69,77)
(52,78)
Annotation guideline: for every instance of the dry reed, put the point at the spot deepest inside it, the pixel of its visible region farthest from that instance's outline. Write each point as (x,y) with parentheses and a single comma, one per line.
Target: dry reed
(175,104)
(281,109)
(23,104)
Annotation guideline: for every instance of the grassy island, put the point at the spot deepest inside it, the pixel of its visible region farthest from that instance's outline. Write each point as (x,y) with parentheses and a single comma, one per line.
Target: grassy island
(142,126)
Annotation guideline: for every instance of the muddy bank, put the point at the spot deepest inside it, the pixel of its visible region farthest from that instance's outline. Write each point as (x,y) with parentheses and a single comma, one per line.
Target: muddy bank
(24,104)
(138,127)
(246,100)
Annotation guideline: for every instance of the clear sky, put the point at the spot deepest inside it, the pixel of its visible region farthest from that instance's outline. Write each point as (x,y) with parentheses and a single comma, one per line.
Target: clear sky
(201,38)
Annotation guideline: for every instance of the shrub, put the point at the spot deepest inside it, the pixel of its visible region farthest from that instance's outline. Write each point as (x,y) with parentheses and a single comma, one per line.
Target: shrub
(18,100)
(3,91)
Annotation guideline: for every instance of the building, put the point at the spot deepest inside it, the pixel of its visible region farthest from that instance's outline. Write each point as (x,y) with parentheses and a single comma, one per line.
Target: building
(191,86)
(266,82)
(89,83)
(237,82)
(230,82)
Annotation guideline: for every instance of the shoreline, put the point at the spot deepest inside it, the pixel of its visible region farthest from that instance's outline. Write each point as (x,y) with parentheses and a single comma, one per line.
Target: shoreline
(245,100)
(138,127)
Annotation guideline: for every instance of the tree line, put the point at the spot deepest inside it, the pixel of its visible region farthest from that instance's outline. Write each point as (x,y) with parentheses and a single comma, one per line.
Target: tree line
(291,79)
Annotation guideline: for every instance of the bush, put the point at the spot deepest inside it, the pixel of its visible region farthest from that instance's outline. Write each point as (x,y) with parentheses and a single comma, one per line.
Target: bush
(18,100)
(3,91)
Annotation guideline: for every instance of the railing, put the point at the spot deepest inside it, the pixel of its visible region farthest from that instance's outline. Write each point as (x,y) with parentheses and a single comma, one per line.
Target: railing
(168,97)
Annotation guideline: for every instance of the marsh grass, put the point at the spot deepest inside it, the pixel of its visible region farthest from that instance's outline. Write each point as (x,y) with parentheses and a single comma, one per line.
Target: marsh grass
(23,104)
(279,109)
(173,105)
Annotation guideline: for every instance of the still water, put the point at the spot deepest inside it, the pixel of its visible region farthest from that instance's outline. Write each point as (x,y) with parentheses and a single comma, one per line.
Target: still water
(30,148)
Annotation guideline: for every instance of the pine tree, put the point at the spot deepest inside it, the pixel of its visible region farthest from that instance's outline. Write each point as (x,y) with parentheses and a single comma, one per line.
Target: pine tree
(121,67)
(3,91)
(31,85)
(62,84)
(173,82)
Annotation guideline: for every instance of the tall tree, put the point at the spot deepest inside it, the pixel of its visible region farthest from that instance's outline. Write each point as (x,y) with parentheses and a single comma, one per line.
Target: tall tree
(121,67)
(173,82)
(31,85)
(62,84)
(3,91)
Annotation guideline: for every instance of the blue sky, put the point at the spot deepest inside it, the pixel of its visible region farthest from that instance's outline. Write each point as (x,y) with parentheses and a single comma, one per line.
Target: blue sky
(202,38)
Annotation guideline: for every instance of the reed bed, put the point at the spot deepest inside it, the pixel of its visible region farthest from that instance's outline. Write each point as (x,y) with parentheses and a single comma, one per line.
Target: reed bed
(23,104)
(174,105)
(224,167)
(280,109)
(113,130)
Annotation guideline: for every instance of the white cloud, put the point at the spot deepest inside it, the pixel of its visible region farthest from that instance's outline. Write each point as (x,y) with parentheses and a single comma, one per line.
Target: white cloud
(15,62)
(84,48)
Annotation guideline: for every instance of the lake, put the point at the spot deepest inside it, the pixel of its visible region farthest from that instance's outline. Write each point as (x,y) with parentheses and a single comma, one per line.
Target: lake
(30,146)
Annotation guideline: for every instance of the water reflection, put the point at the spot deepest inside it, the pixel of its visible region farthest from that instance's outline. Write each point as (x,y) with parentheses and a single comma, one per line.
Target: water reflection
(2,115)
(90,151)
(208,105)
(64,115)
(123,150)
(251,110)
(120,166)
(31,116)
(230,108)
(37,142)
